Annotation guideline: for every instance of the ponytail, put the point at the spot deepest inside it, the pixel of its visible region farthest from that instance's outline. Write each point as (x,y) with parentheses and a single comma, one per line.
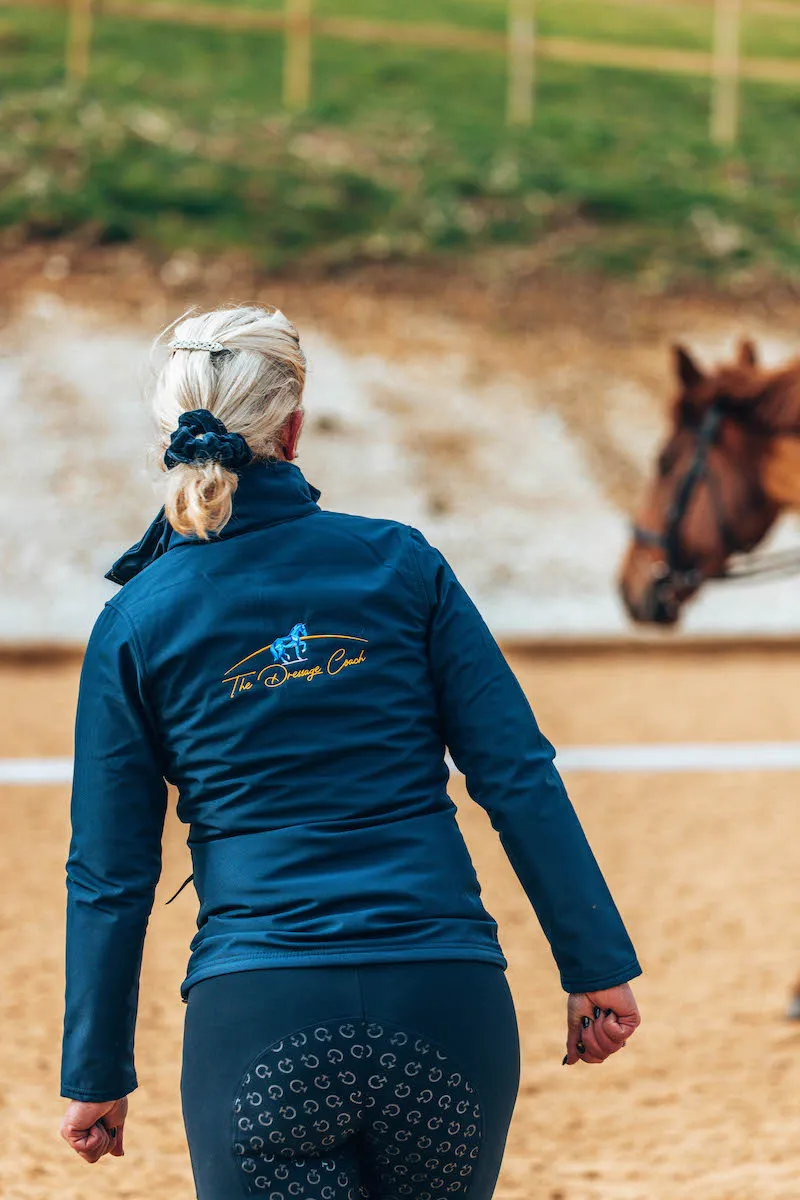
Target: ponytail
(231,382)
(199,498)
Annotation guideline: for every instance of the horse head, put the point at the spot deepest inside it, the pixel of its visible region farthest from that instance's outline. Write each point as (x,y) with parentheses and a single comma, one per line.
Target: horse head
(712,493)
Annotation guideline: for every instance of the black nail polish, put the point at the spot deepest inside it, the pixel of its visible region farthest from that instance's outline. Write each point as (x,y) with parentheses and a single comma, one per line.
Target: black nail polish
(597,1012)
(565,1060)
(585,1022)
(112,1132)
(608,1012)
(581,1048)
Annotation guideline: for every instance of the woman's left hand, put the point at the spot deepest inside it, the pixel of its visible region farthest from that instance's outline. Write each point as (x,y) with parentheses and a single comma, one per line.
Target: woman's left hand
(93,1130)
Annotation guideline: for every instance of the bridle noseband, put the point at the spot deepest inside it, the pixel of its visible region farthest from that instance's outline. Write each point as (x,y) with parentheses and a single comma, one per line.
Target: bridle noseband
(673,575)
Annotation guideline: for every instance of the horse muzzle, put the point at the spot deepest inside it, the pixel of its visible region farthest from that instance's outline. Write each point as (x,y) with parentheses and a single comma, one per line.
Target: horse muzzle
(655,595)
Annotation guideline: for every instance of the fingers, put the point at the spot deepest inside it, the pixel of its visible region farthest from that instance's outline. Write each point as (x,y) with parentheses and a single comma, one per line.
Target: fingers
(114,1121)
(93,1130)
(591,1052)
(90,1144)
(599,1045)
(104,1143)
(578,1008)
(593,1035)
(573,1054)
(617,1029)
(616,1018)
(116,1134)
(622,1003)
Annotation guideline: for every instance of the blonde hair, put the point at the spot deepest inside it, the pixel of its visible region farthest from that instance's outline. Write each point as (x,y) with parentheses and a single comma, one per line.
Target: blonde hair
(253,385)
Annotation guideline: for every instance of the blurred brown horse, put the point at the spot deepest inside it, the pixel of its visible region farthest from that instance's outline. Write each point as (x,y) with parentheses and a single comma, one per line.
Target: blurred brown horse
(729,466)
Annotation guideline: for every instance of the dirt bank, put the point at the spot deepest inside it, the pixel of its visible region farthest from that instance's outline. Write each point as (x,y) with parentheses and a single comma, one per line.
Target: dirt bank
(511,416)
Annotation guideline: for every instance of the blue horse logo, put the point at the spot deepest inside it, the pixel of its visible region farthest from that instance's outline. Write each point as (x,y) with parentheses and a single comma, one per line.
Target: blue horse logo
(283,647)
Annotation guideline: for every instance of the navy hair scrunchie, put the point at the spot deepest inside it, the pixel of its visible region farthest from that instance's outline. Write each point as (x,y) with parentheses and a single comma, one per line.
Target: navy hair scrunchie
(202,437)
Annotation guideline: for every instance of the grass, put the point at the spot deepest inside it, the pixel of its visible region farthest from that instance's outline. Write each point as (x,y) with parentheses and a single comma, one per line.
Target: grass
(178,141)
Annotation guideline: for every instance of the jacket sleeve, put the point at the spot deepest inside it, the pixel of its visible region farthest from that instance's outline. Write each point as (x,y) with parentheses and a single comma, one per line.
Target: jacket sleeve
(118,809)
(494,740)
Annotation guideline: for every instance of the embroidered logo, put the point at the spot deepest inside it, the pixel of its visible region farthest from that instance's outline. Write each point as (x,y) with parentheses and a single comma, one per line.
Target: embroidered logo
(292,658)
(282,648)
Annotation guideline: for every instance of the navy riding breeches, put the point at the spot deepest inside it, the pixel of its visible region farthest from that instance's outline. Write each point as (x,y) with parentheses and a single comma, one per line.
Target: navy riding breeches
(378,1082)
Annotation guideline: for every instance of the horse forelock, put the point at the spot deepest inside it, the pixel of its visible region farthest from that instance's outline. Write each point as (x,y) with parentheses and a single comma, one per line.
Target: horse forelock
(775,391)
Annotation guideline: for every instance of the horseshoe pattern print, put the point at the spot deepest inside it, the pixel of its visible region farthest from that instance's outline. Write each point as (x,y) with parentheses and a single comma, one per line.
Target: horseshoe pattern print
(356,1110)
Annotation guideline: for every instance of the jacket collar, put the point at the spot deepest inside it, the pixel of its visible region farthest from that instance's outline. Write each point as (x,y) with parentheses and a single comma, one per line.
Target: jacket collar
(268,493)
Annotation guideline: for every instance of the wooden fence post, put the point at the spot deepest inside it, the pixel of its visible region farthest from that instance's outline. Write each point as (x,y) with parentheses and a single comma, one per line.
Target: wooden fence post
(297,56)
(521,62)
(79,40)
(727,53)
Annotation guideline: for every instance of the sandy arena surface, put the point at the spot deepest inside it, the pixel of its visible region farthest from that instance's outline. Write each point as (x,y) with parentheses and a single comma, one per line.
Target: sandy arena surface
(704,1104)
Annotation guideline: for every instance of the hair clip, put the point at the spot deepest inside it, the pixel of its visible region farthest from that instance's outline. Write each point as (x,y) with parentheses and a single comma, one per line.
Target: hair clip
(194,344)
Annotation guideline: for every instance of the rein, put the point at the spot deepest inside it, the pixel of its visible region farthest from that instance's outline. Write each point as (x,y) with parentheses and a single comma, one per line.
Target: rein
(776,563)
(741,563)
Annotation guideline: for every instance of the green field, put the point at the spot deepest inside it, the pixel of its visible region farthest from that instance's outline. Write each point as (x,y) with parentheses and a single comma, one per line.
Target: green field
(178,140)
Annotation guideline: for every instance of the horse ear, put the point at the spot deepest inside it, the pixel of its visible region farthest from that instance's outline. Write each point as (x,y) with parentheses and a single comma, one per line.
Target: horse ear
(748,355)
(687,369)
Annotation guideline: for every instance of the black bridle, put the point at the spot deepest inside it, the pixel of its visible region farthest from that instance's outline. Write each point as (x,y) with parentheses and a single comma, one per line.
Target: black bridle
(674,575)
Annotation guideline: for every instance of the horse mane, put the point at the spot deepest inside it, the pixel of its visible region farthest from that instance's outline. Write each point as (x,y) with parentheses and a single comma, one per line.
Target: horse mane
(779,405)
(745,384)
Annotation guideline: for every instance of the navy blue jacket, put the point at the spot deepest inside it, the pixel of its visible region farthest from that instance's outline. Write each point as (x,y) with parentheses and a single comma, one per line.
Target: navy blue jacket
(298,678)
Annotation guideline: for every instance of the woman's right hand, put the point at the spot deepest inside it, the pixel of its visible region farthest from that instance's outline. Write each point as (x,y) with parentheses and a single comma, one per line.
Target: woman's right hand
(93,1130)
(599,1023)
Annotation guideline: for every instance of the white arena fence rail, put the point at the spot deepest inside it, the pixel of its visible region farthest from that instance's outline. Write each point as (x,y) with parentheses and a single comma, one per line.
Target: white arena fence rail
(657,758)
(521,44)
